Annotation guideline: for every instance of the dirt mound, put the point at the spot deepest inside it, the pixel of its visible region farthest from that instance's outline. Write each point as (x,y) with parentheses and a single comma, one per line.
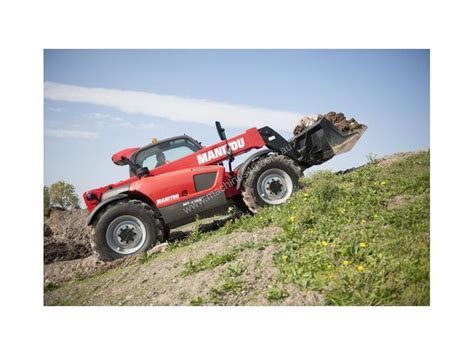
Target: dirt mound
(338,119)
(392,158)
(161,282)
(63,271)
(66,235)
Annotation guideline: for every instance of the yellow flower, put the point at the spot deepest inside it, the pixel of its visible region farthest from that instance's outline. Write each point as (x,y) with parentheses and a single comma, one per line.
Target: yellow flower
(292,218)
(345,262)
(376,215)
(362,245)
(363,221)
(383,183)
(360,268)
(324,243)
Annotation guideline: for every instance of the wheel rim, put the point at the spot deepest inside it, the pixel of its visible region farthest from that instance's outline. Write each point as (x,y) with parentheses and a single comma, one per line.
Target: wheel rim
(126,234)
(274,186)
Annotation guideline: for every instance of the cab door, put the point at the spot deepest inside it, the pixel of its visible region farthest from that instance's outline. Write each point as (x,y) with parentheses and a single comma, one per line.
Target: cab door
(182,195)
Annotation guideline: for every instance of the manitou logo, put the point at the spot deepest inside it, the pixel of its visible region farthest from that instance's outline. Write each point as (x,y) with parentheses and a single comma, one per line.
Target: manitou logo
(167,199)
(220,151)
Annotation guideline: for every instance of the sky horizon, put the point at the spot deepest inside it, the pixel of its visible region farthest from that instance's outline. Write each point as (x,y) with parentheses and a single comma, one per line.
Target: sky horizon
(97,102)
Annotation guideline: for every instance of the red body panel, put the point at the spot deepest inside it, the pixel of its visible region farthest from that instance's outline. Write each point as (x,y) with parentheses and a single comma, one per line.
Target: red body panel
(175,177)
(168,188)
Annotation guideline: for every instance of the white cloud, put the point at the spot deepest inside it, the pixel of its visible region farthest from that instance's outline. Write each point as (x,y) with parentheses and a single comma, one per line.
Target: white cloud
(97,115)
(74,134)
(147,126)
(180,109)
(126,125)
(114,121)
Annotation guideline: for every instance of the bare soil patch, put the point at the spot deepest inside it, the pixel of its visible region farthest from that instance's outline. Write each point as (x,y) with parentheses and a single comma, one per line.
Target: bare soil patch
(398,202)
(66,235)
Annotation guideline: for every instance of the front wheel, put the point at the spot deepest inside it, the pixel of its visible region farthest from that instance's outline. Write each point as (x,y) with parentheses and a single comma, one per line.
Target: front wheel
(126,228)
(270,181)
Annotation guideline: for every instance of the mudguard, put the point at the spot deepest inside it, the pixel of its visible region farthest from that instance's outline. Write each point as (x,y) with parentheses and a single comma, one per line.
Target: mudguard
(104,203)
(243,167)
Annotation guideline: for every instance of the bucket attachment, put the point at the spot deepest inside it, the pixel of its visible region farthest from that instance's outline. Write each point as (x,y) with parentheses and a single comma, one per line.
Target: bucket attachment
(339,141)
(322,140)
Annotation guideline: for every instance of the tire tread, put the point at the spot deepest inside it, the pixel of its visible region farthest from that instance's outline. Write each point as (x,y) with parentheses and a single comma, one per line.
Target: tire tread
(153,213)
(249,191)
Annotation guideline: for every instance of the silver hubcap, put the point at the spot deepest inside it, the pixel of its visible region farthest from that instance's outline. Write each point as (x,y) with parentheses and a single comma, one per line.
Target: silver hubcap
(126,234)
(275,186)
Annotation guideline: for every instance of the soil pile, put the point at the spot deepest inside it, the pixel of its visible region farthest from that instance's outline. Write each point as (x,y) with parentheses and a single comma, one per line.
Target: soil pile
(66,235)
(63,271)
(338,119)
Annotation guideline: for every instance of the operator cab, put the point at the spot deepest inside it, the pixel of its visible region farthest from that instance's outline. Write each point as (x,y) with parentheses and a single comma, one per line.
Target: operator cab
(164,151)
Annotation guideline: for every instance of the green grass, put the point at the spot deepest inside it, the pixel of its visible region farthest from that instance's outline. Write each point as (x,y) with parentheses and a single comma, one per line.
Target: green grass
(344,237)
(145,258)
(229,285)
(213,260)
(50,286)
(198,301)
(210,261)
(276,294)
(195,236)
(236,270)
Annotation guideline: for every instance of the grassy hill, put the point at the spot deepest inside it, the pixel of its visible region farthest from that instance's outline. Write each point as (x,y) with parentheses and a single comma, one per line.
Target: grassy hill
(354,238)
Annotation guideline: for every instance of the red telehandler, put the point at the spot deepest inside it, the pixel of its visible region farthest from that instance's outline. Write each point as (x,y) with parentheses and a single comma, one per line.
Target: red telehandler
(172,181)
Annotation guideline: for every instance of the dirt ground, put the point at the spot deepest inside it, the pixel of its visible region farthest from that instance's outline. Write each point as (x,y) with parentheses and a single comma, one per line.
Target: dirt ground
(64,263)
(161,281)
(66,235)
(76,269)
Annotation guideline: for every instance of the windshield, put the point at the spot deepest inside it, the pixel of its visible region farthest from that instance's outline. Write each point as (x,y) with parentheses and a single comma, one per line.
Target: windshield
(165,152)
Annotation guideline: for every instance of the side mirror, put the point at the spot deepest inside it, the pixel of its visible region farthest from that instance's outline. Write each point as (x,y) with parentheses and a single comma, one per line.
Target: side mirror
(220,131)
(137,169)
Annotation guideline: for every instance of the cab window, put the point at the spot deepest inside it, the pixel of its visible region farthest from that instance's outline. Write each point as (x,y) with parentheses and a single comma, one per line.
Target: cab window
(165,152)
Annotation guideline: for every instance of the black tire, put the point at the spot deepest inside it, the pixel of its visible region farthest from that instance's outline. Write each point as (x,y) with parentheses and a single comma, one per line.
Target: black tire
(143,220)
(276,163)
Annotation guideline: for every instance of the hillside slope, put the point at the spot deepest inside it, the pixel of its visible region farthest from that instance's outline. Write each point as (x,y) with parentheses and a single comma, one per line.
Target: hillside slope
(354,238)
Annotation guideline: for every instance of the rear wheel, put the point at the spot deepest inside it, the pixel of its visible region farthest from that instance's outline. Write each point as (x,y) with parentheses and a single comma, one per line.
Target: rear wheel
(270,181)
(126,228)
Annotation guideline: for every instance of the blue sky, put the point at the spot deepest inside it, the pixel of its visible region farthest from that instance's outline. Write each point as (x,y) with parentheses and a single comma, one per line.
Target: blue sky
(100,101)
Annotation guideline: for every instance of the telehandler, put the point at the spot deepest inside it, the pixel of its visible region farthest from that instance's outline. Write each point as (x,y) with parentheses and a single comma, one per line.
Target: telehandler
(174,180)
